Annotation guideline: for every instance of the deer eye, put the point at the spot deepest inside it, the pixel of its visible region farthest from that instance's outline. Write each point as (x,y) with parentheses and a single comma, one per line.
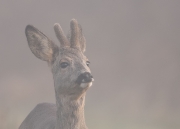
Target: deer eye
(87,63)
(64,64)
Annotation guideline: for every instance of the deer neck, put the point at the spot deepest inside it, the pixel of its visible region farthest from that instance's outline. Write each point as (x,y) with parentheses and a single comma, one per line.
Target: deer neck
(70,113)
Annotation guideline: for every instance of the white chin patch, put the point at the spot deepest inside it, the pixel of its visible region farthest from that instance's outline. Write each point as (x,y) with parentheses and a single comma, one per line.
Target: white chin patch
(84,85)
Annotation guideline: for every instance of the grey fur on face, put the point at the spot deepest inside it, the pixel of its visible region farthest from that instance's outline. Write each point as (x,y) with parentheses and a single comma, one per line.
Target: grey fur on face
(66,78)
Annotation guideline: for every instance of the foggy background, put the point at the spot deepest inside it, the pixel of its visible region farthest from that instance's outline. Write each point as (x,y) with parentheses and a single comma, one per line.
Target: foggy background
(133,47)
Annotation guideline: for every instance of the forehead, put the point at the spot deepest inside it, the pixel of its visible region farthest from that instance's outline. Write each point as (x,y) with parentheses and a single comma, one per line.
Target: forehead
(72,53)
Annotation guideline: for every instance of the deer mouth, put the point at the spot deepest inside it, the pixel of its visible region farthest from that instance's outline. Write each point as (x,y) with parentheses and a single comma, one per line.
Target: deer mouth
(84,85)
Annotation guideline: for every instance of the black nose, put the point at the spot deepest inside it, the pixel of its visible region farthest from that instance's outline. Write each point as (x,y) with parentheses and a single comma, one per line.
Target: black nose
(84,78)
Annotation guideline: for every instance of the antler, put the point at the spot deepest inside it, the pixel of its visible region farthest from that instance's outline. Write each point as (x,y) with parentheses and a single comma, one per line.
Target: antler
(60,35)
(82,39)
(74,40)
(77,39)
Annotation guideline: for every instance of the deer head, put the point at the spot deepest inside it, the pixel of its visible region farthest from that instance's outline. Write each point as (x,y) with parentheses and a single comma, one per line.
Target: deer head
(69,65)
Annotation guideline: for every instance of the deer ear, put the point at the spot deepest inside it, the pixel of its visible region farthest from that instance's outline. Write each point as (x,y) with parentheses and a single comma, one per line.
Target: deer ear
(41,46)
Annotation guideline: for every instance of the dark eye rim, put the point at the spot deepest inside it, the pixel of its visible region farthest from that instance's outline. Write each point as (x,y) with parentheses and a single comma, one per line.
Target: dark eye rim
(64,64)
(88,63)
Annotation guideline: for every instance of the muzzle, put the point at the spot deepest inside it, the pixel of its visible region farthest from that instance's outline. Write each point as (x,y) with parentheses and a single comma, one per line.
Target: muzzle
(85,78)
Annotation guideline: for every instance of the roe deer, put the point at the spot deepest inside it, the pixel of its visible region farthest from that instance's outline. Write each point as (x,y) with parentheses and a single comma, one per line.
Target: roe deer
(71,74)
